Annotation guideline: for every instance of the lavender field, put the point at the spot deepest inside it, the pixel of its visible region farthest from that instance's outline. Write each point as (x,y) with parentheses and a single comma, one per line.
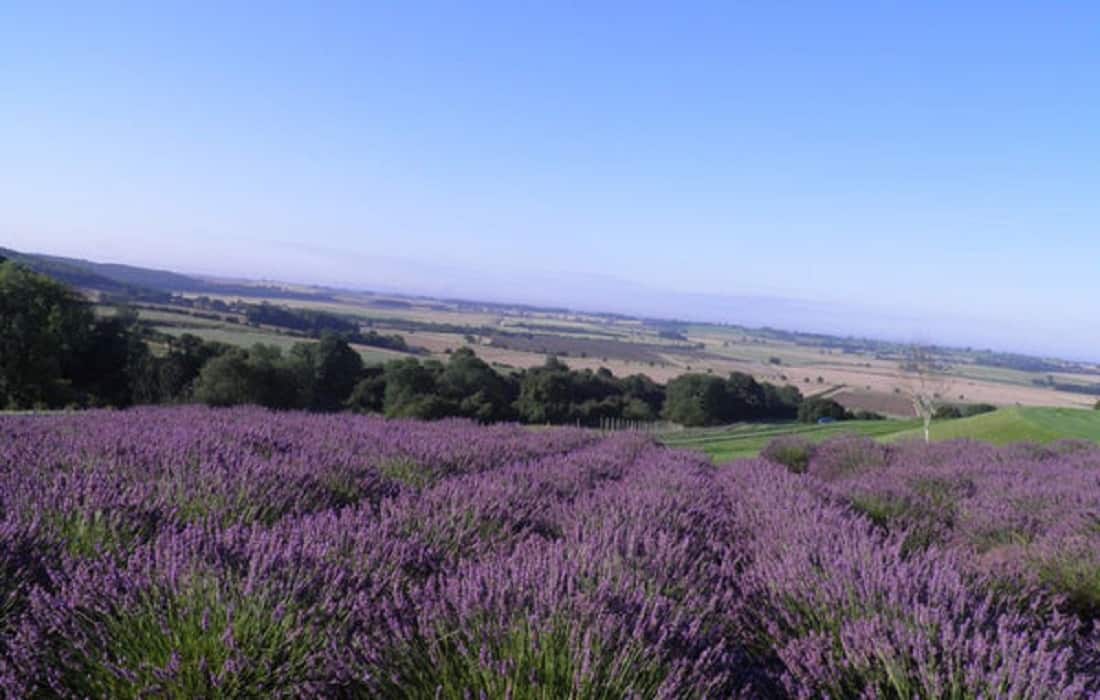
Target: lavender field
(240,553)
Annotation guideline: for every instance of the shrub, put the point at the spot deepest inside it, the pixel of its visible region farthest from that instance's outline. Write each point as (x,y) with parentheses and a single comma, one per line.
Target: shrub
(792,452)
(867,415)
(975,409)
(847,456)
(947,412)
(814,409)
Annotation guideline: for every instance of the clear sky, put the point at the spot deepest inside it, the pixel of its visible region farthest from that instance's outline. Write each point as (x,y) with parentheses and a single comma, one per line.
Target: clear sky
(932,168)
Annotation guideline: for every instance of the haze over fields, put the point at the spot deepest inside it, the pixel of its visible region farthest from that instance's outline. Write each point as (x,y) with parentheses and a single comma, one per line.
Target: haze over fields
(921,173)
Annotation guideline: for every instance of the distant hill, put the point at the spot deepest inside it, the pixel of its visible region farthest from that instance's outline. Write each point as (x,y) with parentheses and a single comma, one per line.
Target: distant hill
(76,273)
(138,277)
(142,282)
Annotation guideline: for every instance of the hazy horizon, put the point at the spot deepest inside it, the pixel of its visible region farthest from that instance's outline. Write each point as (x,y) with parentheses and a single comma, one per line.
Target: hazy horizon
(918,172)
(790,314)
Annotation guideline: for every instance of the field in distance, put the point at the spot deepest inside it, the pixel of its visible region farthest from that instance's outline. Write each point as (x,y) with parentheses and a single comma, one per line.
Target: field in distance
(862,375)
(1005,426)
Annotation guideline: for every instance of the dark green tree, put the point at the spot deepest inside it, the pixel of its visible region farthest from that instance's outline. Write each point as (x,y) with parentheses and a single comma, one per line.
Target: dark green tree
(476,388)
(696,400)
(226,380)
(273,379)
(781,401)
(171,377)
(107,366)
(643,397)
(411,390)
(43,327)
(816,408)
(546,394)
(745,399)
(369,394)
(327,371)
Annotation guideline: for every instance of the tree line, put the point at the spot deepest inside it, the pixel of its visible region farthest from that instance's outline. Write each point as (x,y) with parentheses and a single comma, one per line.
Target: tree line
(55,353)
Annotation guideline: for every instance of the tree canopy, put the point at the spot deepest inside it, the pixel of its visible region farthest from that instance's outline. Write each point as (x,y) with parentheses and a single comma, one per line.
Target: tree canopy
(703,399)
(54,352)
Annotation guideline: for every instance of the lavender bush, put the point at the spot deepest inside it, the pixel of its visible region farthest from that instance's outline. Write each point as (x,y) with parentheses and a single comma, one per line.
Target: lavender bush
(1026,516)
(791,451)
(242,553)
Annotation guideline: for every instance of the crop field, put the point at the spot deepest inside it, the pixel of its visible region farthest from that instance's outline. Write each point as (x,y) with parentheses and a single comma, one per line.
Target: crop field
(193,552)
(180,322)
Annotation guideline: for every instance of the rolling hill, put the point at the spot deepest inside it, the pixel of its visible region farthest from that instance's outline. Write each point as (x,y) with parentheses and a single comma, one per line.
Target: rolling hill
(143,282)
(76,273)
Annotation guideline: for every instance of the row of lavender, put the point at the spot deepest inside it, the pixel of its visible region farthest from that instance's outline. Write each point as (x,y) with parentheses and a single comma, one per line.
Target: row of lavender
(1025,516)
(196,553)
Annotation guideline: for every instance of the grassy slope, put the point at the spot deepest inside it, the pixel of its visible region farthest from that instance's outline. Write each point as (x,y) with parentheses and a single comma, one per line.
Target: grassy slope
(1000,427)
(1018,425)
(746,440)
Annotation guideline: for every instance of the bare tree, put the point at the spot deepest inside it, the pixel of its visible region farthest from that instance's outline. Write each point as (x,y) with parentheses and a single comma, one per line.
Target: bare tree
(927,382)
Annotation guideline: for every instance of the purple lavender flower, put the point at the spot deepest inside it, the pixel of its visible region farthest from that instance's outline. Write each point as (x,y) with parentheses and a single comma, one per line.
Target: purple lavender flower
(243,553)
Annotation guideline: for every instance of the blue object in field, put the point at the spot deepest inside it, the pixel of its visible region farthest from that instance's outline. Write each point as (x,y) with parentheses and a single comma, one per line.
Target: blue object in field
(826,419)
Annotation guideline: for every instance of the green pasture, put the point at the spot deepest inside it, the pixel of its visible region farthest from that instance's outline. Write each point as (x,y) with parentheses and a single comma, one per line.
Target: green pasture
(1001,427)
(1020,424)
(747,439)
(243,336)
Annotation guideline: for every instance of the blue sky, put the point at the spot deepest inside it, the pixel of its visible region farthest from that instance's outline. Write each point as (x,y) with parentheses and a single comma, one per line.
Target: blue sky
(921,169)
